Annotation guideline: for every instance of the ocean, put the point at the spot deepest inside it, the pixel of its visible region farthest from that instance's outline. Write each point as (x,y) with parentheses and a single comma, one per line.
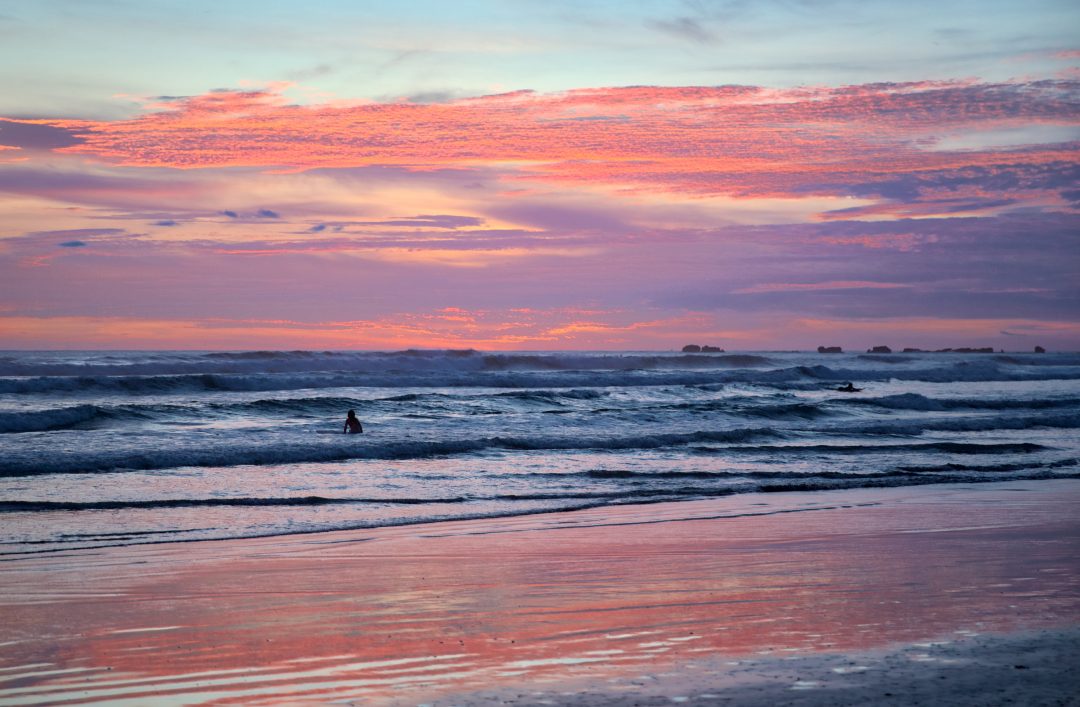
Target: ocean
(115,448)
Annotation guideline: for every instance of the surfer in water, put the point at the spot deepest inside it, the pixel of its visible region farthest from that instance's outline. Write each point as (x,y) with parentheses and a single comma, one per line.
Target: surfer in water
(352,425)
(848,388)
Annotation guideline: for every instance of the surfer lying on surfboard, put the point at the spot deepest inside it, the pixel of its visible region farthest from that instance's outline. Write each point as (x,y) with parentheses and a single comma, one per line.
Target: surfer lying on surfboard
(352,425)
(848,388)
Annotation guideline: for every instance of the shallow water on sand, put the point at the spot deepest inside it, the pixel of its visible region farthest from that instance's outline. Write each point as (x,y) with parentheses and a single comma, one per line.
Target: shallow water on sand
(718,591)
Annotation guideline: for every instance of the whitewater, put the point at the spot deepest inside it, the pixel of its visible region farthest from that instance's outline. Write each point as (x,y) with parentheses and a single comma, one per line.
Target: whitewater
(112,448)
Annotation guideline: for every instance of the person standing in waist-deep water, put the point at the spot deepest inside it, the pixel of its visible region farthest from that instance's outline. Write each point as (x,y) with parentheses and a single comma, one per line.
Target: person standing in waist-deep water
(352,425)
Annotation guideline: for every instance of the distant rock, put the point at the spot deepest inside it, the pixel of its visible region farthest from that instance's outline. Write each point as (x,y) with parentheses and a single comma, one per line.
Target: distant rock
(1039,349)
(909,350)
(711,349)
(879,349)
(691,348)
(829,349)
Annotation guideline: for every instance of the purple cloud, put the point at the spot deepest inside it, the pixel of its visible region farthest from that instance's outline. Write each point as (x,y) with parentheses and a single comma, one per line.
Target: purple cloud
(34,136)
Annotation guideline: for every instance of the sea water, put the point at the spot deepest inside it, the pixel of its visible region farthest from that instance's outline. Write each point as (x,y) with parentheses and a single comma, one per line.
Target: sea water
(111,448)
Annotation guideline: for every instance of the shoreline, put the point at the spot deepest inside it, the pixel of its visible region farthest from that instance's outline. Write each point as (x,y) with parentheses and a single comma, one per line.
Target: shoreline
(471,611)
(776,487)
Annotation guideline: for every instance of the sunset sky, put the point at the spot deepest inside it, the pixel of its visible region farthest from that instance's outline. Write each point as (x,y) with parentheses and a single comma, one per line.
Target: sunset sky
(539,174)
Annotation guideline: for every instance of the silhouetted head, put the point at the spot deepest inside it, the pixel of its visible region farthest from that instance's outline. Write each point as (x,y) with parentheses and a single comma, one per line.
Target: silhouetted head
(352,413)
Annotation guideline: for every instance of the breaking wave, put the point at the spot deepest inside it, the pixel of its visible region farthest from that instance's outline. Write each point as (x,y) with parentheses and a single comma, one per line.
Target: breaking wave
(231,444)
(345,447)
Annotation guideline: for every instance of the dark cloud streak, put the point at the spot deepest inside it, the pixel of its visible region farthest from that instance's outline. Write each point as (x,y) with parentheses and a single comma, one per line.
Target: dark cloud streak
(686,28)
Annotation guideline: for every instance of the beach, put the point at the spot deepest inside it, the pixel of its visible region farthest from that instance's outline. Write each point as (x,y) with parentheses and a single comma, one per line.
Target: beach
(591,353)
(934,594)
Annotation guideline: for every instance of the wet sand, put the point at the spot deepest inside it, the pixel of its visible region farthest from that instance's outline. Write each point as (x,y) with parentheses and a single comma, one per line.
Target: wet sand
(931,594)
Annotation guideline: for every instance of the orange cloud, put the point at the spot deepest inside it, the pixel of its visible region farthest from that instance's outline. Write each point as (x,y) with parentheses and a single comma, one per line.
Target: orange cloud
(444,328)
(744,141)
(495,330)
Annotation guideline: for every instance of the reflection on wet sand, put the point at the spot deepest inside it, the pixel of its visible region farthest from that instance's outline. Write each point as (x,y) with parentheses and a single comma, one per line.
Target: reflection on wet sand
(409,613)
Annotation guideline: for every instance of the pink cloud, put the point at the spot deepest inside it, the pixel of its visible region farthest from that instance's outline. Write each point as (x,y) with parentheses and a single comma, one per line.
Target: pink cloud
(494,330)
(458,328)
(743,141)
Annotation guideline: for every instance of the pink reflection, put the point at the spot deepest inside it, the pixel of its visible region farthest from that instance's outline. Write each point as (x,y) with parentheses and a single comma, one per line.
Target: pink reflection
(446,608)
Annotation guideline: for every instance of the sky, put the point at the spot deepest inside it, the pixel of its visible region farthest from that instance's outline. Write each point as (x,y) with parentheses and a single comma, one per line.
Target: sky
(539,174)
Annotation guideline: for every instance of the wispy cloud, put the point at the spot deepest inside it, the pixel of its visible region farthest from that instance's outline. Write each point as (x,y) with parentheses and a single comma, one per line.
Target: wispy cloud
(447,327)
(875,140)
(819,286)
(684,28)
